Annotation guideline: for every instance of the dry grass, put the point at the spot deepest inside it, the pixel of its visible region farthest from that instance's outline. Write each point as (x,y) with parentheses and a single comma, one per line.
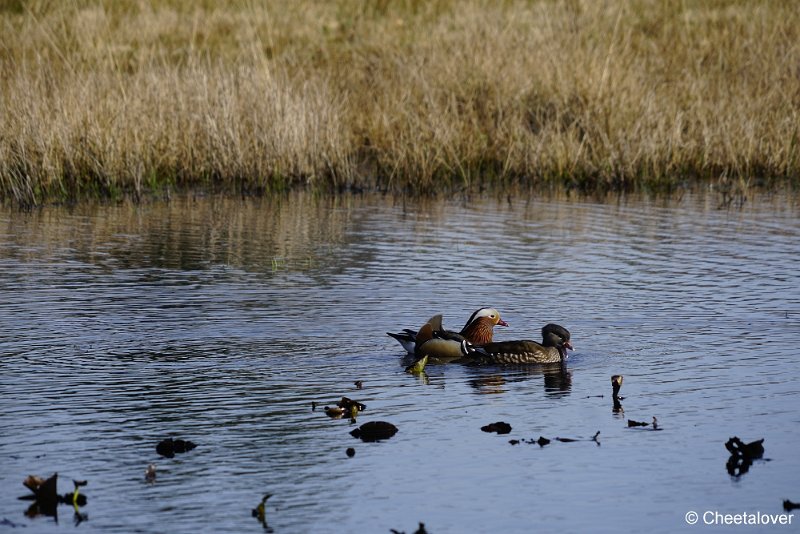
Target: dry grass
(113,97)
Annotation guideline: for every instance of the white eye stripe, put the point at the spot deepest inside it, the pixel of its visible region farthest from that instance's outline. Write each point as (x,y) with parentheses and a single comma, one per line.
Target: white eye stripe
(490,313)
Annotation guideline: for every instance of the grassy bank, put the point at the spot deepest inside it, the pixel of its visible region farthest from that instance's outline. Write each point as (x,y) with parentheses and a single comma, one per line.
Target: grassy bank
(115,97)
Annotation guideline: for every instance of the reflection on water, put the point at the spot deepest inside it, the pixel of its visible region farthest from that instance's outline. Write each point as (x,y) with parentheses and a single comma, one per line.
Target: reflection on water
(220,320)
(556,379)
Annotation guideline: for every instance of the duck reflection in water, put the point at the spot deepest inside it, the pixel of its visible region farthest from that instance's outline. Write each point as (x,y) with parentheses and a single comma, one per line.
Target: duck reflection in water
(493,379)
(557,379)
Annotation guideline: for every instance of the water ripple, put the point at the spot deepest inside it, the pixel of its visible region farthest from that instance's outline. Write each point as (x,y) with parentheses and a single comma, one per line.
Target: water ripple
(221,320)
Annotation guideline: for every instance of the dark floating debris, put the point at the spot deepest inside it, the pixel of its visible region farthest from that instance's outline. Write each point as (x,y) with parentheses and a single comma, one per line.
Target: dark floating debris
(420,530)
(500,427)
(259,512)
(654,424)
(76,498)
(632,423)
(182,446)
(595,438)
(789,505)
(169,447)
(150,473)
(350,452)
(349,404)
(753,450)
(44,490)
(374,431)
(76,493)
(736,466)
(359,384)
(344,407)
(46,498)
(542,441)
(616,384)
(742,455)
(313,406)
(334,412)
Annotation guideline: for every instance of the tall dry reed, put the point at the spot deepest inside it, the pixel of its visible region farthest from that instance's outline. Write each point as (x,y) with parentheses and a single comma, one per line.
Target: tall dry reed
(113,97)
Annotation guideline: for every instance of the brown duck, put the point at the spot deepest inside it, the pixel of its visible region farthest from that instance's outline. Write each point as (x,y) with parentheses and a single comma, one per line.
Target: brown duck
(478,330)
(439,344)
(552,349)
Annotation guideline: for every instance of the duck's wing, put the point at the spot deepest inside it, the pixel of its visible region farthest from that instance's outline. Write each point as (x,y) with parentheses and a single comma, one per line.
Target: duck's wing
(449,335)
(409,338)
(435,322)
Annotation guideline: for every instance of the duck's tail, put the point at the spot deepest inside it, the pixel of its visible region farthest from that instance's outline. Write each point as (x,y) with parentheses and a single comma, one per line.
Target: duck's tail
(406,338)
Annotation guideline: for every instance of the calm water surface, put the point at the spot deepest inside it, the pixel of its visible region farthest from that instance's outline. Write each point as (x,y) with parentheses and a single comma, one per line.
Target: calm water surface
(220,320)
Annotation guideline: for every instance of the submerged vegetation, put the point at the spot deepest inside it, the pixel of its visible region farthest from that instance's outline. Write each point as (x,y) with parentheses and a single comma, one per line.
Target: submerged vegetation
(122,97)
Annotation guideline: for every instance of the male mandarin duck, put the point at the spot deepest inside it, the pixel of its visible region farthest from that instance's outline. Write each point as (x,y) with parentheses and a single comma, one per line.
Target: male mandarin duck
(479,329)
(437,343)
(552,349)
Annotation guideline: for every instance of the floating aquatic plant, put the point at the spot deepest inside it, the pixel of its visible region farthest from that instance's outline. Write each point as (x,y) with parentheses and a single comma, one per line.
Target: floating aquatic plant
(260,512)
(418,367)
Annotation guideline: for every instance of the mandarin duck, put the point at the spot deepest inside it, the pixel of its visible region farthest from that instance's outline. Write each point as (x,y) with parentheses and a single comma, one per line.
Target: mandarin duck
(552,349)
(477,330)
(443,345)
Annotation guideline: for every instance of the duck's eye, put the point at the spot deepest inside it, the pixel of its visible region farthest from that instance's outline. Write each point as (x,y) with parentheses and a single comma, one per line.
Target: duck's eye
(491,316)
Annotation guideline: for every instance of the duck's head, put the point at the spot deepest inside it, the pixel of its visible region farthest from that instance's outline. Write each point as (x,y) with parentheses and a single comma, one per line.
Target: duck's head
(557,336)
(490,315)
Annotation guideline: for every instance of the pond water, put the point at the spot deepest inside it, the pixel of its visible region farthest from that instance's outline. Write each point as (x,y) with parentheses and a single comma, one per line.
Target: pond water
(220,320)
